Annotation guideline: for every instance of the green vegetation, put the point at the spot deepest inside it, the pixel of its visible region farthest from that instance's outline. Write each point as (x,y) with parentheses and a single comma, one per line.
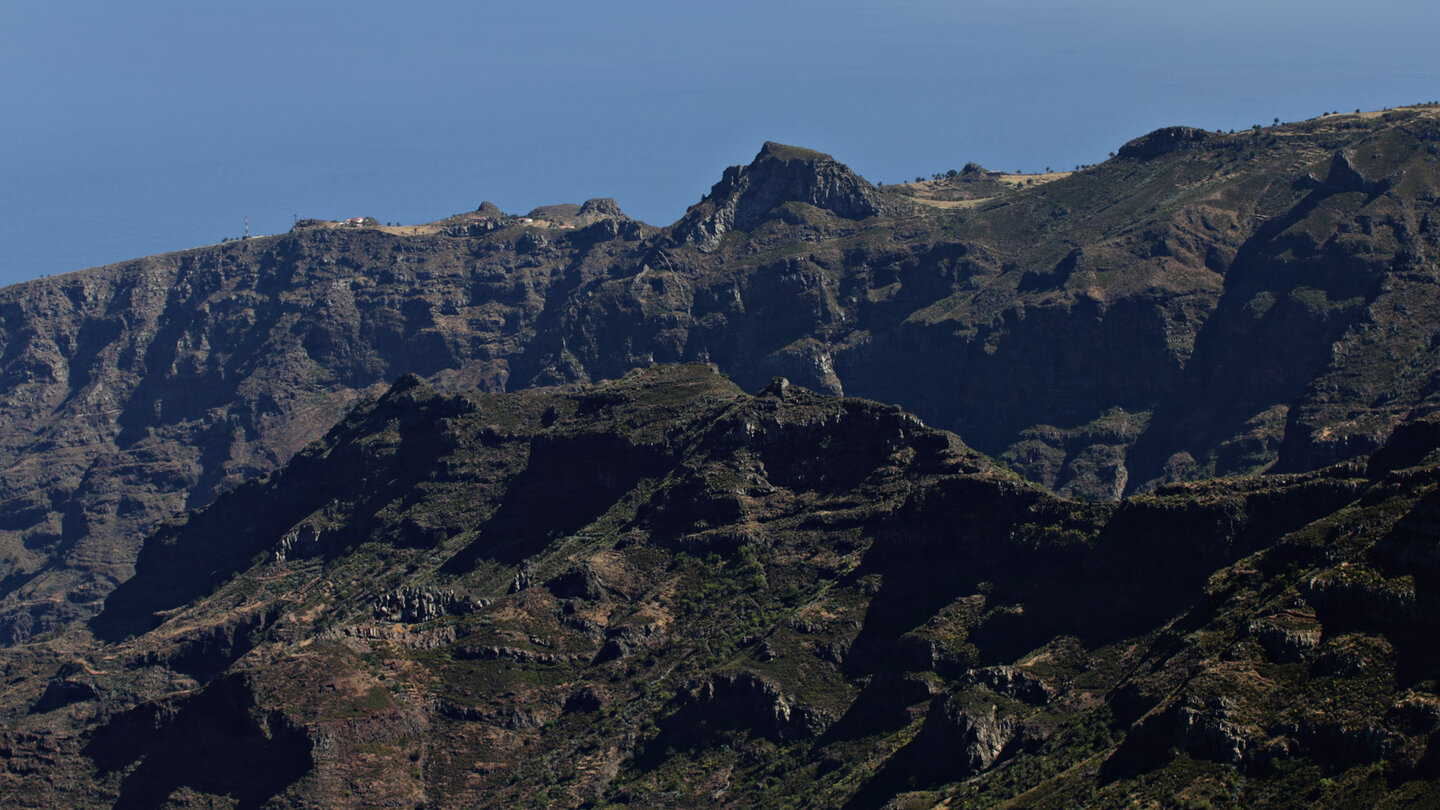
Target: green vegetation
(774,600)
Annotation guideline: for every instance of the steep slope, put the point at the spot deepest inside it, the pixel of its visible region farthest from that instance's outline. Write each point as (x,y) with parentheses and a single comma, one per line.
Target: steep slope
(135,391)
(662,591)
(1202,304)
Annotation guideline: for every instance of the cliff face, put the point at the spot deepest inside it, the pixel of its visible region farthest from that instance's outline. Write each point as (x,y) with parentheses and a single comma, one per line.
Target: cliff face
(662,591)
(1201,305)
(136,391)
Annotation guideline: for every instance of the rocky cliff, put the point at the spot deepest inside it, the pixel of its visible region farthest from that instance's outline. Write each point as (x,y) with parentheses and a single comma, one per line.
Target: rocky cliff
(665,592)
(1203,304)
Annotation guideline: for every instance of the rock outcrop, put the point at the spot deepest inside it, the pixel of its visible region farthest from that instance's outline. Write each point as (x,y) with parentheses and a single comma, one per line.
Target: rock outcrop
(1161,142)
(739,700)
(749,195)
(601,207)
(410,605)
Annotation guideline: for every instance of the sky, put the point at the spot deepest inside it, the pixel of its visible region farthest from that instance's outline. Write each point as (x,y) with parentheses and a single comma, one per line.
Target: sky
(128,129)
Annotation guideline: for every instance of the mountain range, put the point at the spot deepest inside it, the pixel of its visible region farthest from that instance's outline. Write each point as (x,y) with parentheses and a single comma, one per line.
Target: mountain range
(1109,486)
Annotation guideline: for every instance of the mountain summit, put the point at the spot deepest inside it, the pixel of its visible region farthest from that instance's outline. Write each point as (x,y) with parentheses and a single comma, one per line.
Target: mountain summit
(749,195)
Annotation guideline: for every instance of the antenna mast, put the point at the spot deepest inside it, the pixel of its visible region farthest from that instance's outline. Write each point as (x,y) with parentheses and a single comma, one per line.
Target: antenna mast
(247,226)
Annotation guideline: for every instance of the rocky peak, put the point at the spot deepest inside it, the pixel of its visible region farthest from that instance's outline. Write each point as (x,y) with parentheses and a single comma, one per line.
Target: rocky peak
(1343,175)
(747,195)
(602,207)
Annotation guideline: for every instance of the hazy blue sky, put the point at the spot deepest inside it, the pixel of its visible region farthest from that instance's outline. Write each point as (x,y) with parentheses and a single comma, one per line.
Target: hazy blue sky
(137,128)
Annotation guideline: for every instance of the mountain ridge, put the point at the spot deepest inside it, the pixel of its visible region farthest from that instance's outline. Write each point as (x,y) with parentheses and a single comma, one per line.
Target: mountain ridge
(1269,294)
(664,590)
